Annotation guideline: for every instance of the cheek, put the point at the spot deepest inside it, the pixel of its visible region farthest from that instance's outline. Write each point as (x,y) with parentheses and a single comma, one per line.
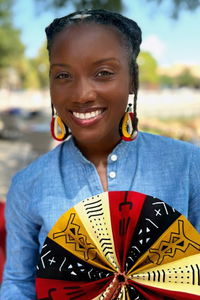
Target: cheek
(58,95)
(120,98)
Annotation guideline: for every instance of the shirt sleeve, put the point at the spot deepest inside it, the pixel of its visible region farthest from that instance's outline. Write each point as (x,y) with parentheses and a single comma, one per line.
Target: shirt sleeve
(194,196)
(22,249)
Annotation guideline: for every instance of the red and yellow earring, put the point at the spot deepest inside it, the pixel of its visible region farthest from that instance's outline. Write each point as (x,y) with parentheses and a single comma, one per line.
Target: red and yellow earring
(59,130)
(126,128)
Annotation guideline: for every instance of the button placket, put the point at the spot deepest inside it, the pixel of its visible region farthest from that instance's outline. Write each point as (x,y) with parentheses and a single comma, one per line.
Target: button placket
(112,172)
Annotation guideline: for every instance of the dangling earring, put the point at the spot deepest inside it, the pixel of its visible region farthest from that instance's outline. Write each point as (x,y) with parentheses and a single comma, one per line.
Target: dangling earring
(56,122)
(126,128)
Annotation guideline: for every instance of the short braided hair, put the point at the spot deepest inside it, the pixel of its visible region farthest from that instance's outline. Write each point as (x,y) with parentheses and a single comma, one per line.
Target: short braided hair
(126,29)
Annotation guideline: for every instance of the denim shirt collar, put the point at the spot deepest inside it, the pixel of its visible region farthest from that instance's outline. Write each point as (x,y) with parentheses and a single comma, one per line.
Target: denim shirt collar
(121,150)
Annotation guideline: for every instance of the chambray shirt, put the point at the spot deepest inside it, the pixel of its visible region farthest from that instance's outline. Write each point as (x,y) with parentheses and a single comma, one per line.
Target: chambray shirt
(42,192)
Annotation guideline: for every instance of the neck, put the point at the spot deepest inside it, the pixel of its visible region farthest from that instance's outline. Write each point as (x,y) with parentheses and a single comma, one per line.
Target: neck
(97,153)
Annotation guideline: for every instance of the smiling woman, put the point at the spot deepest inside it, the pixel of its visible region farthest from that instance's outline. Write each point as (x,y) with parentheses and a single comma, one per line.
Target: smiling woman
(90,90)
(93,71)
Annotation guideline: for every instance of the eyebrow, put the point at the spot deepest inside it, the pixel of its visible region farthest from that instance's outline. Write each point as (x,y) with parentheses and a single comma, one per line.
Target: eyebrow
(106,59)
(58,65)
(94,63)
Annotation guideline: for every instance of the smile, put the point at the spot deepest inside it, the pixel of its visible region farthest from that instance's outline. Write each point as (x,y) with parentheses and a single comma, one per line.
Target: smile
(87,115)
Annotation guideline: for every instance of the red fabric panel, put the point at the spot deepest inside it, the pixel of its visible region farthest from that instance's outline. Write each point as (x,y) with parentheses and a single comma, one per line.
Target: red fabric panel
(66,290)
(124,214)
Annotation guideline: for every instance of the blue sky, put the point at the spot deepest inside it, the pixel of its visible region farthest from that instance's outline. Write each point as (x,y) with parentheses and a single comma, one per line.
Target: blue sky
(170,41)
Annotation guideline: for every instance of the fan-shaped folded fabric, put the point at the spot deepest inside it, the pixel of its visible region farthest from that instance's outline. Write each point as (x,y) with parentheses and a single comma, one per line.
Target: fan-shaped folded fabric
(120,245)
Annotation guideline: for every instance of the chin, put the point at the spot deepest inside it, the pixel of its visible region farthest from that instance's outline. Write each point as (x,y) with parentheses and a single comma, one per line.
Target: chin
(87,139)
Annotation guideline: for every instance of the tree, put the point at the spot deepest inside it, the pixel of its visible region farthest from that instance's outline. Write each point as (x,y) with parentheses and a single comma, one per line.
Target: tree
(41,66)
(113,5)
(147,68)
(186,79)
(11,47)
(166,81)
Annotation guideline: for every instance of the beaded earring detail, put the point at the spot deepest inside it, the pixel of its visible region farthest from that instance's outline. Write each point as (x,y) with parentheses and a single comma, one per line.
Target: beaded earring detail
(57,123)
(126,128)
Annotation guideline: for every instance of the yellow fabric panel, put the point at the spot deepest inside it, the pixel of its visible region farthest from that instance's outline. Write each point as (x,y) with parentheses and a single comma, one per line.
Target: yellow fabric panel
(178,241)
(69,232)
(123,295)
(97,298)
(95,214)
(181,275)
(126,294)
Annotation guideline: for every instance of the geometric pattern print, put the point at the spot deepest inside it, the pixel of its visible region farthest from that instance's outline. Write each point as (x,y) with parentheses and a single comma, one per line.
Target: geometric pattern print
(70,233)
(158,256)
(155,218)
(180,276)
(95,214)
(178,241)
(63,265)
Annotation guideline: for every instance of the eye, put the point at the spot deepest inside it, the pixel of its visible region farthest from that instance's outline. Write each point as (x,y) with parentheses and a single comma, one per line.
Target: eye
(104,73)
(62,76)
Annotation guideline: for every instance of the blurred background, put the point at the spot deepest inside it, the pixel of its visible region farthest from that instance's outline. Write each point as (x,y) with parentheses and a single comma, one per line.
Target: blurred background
(169,62)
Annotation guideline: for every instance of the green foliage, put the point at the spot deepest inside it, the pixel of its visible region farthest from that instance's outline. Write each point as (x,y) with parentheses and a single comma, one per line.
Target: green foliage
(27,74)
(11,47)
(186,79)
(5,11)
(147,68)
(166,81)
(41,66)
(112,5)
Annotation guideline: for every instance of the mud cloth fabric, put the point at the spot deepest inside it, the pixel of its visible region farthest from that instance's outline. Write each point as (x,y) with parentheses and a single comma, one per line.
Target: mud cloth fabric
(120,246)
(153,165)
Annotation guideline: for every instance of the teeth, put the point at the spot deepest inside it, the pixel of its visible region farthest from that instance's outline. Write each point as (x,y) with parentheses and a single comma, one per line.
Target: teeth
(81,116)
(87,115)
(93,114)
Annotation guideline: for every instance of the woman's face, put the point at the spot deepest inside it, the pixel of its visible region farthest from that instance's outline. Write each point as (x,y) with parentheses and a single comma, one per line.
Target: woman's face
(90,81)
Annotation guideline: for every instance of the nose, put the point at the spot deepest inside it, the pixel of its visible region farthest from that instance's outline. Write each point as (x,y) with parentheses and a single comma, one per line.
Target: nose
(84,91)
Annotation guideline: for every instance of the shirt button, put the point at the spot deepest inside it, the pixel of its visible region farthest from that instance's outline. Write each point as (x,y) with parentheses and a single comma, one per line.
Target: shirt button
(113,157)
(112,174)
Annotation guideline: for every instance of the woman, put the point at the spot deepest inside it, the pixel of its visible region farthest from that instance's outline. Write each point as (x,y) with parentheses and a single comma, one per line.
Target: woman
(92,72)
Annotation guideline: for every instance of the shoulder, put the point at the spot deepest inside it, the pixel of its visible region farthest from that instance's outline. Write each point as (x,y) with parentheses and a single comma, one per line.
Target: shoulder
(159,150)
(165,144)
(48,165)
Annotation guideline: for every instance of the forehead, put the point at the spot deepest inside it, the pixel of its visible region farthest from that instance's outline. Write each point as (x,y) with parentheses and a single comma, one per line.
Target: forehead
(88,37)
